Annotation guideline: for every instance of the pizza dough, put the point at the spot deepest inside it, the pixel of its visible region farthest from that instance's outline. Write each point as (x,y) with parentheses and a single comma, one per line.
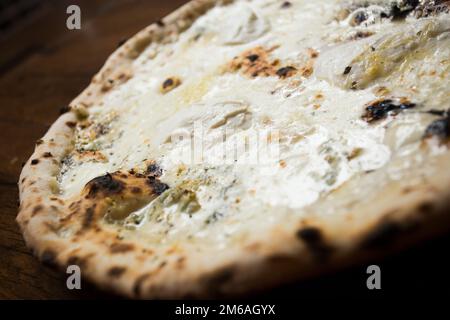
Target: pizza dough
(238,145)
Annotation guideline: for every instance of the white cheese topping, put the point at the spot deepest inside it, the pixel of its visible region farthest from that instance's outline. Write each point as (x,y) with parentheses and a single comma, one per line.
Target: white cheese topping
(318,138)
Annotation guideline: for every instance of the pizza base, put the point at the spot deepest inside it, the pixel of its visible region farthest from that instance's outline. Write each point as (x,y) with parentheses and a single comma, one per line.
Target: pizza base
(399,216)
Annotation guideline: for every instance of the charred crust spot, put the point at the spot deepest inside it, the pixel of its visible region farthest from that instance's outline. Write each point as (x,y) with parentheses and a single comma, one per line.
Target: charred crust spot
(431,8)
(116,272)
(254,62)
(47,155)
(381,108)
(437,112)
(122,42)
(397,10)
(157,186)
(361,35)
(48,257)
(160,23)
(34,162)
(71,124)
(382,235)
(39,142)
(286,4)
(75,204)
(310,235)
(313,239)
(359,18)
(64,109)
(252,57)
(136,190)
(154,170)
(313,54)
(105,185)
(88,218)
(439,128)
(137,286)
(347,70)
(37,209)
(401,9)
(169,84)
(121,248)
(286,72)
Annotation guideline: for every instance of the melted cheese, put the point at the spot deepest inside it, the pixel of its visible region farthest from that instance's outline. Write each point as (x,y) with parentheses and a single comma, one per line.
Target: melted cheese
(318,138)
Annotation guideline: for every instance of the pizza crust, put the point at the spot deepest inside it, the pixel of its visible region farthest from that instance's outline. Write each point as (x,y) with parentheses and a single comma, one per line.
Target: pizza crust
(402,214)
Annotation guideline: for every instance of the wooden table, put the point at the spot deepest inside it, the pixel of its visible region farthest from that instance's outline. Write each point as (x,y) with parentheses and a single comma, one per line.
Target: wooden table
(43,66)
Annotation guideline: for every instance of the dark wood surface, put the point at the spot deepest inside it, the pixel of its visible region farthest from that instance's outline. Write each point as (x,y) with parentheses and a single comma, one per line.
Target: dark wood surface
(43,65)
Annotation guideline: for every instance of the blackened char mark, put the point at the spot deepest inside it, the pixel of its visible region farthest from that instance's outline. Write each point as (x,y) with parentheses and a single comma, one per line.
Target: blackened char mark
(106,185)
(379,109)
(360,17)
(347,70)
(310,235)
(437,112)
(116,272)
(396,10)
(48,257)
(286,72)
(400,9)
(168,83)
(154,170)
(64,109)
(439,128)
(138,284)
(157,186)
(286,4)
(313,239)
(252,57)
(88,218)
(432,8)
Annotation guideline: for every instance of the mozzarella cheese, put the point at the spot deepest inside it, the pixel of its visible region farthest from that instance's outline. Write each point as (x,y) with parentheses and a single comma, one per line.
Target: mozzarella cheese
(239,151)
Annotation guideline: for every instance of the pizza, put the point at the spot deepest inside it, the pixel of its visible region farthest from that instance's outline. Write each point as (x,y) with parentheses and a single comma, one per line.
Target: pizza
(235,146)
